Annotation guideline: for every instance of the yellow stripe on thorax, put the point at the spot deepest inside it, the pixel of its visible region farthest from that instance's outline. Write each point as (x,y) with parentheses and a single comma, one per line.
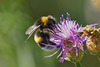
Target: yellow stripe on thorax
(44,20)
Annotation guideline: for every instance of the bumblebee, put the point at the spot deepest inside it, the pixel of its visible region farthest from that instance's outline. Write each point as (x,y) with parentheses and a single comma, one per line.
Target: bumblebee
(43,22)
(42,27)
(42,37)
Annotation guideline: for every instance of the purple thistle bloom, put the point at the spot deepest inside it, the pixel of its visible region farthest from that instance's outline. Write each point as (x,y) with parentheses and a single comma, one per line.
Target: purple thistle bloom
(66,38)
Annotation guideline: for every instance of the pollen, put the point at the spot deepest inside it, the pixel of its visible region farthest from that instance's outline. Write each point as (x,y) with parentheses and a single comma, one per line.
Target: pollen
(44,20)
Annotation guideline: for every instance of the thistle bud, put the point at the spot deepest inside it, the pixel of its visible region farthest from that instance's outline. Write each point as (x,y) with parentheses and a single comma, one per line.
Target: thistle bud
(93,39)
(93,43)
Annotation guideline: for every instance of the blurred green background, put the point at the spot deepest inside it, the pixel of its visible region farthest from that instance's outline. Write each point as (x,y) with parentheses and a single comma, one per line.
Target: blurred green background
(17,15)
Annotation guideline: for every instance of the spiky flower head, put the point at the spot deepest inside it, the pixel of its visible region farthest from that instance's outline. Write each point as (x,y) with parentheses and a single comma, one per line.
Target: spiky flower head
(68,40)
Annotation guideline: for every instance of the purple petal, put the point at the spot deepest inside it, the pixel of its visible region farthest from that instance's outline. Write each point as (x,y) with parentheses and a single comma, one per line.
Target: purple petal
(53,53)
(49,45)
(93,24)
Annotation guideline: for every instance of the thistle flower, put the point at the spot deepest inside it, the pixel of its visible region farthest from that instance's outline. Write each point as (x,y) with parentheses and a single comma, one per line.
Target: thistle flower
(69,42)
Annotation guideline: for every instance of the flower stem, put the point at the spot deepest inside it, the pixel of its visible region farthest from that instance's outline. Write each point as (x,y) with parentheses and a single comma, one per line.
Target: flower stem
(77,64)
(99,58)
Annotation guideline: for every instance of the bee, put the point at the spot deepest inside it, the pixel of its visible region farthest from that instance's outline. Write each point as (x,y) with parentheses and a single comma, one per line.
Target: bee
(43,26)
(43,22)
(42,37)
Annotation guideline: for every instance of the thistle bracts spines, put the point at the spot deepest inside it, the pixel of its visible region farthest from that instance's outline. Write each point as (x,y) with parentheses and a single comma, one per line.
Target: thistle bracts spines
(93,43)
(93,38)
(71,55)
(90,31)
(75,54)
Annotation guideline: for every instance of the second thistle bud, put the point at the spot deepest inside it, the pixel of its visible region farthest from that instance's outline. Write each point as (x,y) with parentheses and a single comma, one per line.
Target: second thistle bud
(93,39)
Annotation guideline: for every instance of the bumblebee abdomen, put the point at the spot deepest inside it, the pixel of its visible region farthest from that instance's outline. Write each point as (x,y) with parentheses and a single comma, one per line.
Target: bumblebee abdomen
(42,38)
(38,39)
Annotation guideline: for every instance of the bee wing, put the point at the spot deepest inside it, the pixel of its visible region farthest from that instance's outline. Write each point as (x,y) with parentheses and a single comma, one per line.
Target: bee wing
(30,30)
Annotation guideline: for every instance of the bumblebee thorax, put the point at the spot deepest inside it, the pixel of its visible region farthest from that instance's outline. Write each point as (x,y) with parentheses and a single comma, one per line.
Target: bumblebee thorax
(44,20)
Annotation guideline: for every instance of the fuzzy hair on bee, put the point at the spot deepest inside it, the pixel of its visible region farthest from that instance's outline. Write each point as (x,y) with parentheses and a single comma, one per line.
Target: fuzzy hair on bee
(42,37)
(43,22)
